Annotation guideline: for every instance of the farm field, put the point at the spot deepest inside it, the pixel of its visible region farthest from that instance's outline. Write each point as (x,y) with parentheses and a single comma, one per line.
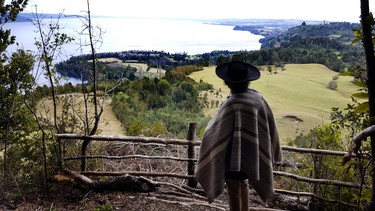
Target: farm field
(299,95)
(142,69)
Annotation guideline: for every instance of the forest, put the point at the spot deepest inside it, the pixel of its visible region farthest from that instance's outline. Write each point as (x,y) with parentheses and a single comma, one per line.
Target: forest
(161,106)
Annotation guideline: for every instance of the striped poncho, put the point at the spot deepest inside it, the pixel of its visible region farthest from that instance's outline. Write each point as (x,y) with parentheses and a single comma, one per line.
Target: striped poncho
(241,137)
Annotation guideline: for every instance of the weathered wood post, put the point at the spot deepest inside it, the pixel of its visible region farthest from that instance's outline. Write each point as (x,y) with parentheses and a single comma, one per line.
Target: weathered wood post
(85,143)
(60,154)
(191,136)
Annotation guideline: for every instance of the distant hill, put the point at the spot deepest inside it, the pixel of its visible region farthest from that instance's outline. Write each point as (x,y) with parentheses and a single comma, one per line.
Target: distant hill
(26,17)
(265,27)
(335,31)
(324,43)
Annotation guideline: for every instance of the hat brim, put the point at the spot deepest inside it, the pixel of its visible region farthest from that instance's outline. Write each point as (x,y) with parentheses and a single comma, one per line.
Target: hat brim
(253,73)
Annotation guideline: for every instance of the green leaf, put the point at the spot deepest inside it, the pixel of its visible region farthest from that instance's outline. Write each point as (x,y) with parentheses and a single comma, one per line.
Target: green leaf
(361,95)
(354,41)
(358,83)
(362,108)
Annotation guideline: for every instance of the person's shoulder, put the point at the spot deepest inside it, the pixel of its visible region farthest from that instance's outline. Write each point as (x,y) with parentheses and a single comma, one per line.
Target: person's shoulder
(255,93)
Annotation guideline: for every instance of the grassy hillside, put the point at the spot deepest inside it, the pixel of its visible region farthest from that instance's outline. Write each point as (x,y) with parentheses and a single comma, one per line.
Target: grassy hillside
(300,92)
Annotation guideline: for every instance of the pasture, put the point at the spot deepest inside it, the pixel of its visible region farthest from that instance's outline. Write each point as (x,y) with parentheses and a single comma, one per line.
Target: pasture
(299,95)
(142,69)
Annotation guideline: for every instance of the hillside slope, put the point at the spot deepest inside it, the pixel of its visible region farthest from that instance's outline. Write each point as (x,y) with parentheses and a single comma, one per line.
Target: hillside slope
(108,124)
(299,95)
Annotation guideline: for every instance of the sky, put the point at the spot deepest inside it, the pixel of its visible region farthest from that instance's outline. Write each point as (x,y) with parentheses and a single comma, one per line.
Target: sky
(321,10)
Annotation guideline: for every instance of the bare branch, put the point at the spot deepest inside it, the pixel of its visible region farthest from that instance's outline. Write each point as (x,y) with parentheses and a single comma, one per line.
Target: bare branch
(320,181)
(299,194)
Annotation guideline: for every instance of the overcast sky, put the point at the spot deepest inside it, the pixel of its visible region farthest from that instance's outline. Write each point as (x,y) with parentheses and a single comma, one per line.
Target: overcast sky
(329,10)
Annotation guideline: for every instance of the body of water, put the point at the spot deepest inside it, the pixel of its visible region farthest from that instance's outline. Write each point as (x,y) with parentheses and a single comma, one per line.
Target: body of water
(122,34)
(173,36)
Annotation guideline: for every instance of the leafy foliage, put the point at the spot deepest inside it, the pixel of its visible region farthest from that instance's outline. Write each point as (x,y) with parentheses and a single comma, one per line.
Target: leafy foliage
(160,107)
(76,67)
(328,137)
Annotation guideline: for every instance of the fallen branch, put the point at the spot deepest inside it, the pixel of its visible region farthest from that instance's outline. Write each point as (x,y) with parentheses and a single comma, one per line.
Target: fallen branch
(7,203)
(191,203)
(195,190)
(320,181)
(188,199)
(125,182)
(183,190)
(299,194)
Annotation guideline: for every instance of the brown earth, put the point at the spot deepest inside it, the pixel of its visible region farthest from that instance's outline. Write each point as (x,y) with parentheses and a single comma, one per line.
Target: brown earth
(163,199)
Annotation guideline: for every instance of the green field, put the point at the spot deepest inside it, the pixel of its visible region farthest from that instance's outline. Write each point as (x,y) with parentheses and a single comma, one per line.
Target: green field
(298,91)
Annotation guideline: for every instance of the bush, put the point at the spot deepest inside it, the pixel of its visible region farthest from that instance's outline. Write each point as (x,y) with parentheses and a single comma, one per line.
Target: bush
(332,85)
(327,137)
(336,77)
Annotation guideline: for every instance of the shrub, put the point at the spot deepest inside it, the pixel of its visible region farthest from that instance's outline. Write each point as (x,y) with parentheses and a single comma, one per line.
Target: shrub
(332,85)
(326,137)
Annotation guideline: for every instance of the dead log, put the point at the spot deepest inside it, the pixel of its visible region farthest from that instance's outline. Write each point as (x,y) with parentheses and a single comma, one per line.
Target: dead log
(124,183)
(73,179)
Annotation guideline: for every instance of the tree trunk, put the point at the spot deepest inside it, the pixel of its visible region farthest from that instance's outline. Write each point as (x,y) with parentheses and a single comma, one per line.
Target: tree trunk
(366,20)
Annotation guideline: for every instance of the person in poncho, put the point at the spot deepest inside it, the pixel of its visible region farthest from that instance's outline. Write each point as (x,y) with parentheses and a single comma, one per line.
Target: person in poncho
(241,143)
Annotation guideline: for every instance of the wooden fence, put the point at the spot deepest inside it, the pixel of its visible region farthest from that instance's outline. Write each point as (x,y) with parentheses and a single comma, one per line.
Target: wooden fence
(191,144)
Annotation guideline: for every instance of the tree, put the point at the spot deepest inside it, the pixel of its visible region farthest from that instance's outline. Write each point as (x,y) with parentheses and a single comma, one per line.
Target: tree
(259,60)
(8,13)
(276,59)
(15,78)
(367,21)
(367,38)
(222,59)
(205,60)
(10,82)
(49,44)
(16,122)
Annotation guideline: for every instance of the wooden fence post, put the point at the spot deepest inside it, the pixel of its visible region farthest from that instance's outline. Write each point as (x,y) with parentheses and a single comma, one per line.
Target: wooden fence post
(83,153)
(191,136)
(60,155)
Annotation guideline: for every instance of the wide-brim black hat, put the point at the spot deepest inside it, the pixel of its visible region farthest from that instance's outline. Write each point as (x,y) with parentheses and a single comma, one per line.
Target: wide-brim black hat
(237,72)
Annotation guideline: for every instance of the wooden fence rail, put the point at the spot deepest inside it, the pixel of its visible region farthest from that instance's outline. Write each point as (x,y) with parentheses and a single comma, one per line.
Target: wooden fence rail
(191,160)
